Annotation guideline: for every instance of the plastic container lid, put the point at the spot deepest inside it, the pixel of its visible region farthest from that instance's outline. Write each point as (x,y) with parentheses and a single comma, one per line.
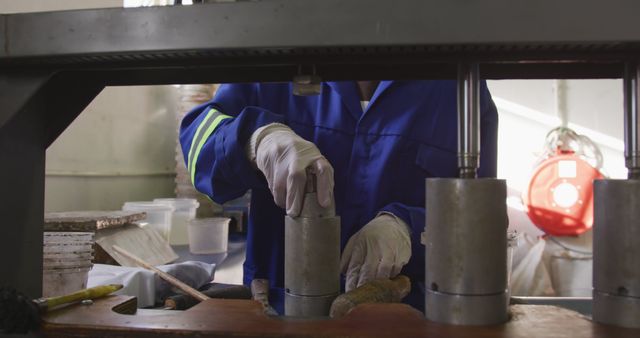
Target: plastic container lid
(179,203)
(146,205)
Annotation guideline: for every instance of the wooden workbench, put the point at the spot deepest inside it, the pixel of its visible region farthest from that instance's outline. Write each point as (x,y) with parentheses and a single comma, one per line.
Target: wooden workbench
(244,318)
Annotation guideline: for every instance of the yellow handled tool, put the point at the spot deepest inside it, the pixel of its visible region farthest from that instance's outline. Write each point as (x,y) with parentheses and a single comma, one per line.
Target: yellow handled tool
(45,304)
(19,314)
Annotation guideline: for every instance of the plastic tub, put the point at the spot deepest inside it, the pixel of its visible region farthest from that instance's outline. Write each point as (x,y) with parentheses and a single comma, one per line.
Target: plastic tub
(208,235)
(184,210)
(50,264)
(68,255)
(59,248)
(60,282)
(158,215)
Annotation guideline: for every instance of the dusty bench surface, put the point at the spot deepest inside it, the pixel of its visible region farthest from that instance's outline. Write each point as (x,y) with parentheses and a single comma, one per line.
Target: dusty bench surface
(244,318)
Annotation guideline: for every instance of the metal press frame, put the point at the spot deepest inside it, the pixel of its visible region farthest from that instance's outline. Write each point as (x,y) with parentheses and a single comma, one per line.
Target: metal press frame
(53,64)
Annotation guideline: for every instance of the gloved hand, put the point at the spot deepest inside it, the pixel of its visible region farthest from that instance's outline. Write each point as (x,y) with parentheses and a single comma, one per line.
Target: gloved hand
(379,250)
(284,157)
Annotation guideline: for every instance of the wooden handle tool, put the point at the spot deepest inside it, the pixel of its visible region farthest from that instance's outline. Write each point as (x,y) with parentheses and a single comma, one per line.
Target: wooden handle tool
(45,304)
(376,291)
(167,277)
(19,314)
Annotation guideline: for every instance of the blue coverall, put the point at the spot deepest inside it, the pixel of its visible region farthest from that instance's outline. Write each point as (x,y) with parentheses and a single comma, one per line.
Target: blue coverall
(381,157)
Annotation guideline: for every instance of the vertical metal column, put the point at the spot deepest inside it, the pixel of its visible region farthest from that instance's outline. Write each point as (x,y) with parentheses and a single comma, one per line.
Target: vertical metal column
(35,107)
(616,253)
(466,228)
(631,120)
(468,119)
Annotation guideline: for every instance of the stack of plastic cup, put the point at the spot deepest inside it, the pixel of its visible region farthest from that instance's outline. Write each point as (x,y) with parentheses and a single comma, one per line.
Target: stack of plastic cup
(184,210)
(66,262)
(158,215)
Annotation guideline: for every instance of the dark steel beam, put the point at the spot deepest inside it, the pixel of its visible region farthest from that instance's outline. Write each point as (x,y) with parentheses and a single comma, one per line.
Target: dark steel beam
(332,34)
(17,89)
(22,158)
(41,108)
(66,96)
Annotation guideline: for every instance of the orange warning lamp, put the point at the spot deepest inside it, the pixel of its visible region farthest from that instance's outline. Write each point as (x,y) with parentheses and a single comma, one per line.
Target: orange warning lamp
(559,199)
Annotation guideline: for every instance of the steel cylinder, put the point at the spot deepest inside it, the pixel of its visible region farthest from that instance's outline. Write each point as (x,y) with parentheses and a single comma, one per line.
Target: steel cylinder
(616,252)
(466,251)
(312,260)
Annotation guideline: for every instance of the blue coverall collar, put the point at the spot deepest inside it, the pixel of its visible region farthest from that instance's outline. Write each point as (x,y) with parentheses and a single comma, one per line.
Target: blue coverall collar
(349,95)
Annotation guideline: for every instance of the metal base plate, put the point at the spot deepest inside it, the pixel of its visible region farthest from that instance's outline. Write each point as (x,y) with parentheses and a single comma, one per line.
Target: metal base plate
(616,310)
(467,310)
(308,306)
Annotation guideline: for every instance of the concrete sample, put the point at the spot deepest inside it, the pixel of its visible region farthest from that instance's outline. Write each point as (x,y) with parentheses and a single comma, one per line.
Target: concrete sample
(89,220)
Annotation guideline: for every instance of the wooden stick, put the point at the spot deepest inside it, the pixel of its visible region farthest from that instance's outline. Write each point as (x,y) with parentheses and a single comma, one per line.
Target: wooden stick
(167,277)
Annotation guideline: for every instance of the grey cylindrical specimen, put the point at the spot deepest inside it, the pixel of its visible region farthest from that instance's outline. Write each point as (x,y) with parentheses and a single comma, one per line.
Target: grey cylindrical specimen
(312,260)
(631,119)
(616,253)
(468,119)
(312,256)
(466,249)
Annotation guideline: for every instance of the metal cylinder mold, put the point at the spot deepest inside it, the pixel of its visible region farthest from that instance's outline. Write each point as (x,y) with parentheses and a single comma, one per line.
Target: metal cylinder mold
(466,251)
(616,253)
(312,259)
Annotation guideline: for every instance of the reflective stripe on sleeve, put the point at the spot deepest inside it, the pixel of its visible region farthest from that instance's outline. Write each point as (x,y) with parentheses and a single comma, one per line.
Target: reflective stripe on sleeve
(205,129)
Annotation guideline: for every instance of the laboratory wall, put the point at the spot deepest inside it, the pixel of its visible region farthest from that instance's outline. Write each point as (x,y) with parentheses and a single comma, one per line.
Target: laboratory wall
(121,148)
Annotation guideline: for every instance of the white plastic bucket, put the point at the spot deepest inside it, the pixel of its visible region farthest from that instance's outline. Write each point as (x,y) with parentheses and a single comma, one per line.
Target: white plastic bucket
(571,274)
(158,215)
(208,235)
(184,210)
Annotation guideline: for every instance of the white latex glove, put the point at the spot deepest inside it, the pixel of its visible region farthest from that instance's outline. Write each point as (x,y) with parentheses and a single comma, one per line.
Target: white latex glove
(284,157)
(379,250)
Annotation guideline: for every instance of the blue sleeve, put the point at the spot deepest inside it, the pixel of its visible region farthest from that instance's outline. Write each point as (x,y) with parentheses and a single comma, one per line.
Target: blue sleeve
(414,217)
(223,171)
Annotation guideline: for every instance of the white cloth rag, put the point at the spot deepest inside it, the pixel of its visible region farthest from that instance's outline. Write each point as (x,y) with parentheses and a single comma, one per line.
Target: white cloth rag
(149,288)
